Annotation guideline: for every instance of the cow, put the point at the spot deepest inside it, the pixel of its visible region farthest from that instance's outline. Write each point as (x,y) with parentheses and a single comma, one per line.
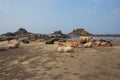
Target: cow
(96,42)
(106,43)
(102,43)
(88,44)
(14,44)
(65,49)
(60,44)
(74,44)
(84,39)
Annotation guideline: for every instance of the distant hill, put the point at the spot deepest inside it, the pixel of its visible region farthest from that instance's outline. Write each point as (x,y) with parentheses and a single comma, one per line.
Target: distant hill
(58,34)
(21,32)
(79,32)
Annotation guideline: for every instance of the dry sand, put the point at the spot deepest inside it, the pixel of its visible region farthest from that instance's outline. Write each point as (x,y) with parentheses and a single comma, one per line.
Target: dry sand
(39,61)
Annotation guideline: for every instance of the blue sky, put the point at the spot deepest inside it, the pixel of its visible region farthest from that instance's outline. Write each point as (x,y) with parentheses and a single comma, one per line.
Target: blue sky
(46,16)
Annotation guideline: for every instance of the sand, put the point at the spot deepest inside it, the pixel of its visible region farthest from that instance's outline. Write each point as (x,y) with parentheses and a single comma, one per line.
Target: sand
(39,61)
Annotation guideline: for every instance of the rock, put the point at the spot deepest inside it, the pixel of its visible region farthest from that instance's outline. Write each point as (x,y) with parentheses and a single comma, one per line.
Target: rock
(21,31)
(58,34)
(42,36)
(8,34)
(8,38)
(79,32)
(51,41)
(24,40)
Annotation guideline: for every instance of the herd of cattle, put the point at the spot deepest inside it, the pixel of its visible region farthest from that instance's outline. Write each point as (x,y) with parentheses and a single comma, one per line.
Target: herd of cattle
(88,42)
(63,45)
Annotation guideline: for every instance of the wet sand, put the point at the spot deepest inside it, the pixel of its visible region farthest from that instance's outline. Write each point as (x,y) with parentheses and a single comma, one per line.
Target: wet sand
(39,61)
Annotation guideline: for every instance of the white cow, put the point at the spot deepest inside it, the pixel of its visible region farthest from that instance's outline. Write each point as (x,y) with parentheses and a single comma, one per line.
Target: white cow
(65,49)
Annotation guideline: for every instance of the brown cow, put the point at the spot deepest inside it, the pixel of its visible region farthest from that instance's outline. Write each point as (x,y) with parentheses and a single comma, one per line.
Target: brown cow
(102,43)
(96,42)
(88,44)
(106,43)
(14,44)
(84,39)
(74,44)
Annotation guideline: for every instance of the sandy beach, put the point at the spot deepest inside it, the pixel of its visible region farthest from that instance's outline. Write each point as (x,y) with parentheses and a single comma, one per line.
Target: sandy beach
(39,61)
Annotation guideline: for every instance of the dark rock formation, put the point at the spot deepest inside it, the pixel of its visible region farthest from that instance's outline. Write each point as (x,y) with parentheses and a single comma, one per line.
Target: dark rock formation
(50,41)
(8,34)
(24,40)
(42,36)
(21,31)
(58,34)
(4,38)
(79,32)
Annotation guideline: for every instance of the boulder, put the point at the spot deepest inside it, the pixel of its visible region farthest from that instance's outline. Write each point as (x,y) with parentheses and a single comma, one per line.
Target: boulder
(49,41)
(24,40)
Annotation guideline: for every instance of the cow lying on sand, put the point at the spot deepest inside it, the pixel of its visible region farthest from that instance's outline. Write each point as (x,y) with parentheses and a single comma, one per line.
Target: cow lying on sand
(88,44)
(65,49)
(14,44)
(74,44)
(102,43)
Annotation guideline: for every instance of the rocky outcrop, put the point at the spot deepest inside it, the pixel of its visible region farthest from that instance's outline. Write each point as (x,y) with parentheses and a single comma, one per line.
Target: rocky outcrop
(32,36)
(9,34)
(57,34)
(42,36)
(79,32)
(19,32)
(22,33)
(4,38)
